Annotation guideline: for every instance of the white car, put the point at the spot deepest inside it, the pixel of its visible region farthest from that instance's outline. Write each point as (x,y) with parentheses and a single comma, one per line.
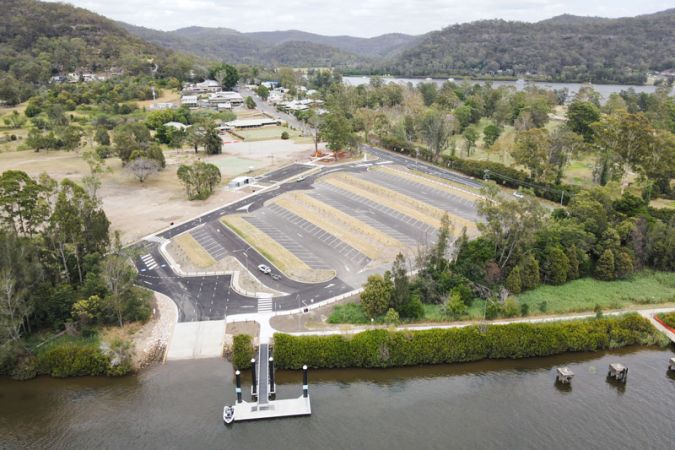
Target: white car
(518,194)
(264,269)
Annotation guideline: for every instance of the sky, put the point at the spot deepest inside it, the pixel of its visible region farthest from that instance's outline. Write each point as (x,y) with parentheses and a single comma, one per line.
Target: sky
(364,18)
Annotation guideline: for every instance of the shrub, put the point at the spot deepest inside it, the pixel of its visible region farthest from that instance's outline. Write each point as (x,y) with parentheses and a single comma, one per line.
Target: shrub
(493,309)
(382,348)
(605,268)
(511,308)
(242,351)
(72,359)
(348,313)
(513,282)
(668,319)
(284,135)
(392,317)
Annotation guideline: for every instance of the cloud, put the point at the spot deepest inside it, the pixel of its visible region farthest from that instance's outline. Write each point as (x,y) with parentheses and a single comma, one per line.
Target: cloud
(353,17)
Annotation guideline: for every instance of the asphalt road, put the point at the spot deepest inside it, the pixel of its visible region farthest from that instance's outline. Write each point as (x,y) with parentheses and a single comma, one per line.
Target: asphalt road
(211,297)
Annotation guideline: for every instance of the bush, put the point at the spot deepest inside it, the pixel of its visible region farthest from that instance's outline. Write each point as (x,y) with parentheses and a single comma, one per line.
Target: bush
(72,359)
(348,313)
(284,135)
(242,351)
(668,318)
(382,348)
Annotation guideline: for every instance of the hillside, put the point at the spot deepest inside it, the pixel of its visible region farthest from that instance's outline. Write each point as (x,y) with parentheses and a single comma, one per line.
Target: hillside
(38,40)
(564,48)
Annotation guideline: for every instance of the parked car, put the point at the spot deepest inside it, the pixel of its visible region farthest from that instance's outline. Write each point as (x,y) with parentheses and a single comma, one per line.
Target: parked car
(276,276)
(264,269)
(518,194)
(301,178)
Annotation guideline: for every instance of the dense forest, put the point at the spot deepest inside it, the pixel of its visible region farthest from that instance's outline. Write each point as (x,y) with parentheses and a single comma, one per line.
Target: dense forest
(564,48)
(39,40)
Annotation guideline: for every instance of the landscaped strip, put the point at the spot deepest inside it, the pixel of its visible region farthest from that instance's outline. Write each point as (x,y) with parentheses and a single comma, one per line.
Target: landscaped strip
(368,240)
(404,204)
(384,348)
(277,254)
(193,250)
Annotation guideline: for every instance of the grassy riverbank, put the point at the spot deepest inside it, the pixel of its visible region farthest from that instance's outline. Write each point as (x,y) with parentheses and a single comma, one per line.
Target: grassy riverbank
(643,288)
(384,348)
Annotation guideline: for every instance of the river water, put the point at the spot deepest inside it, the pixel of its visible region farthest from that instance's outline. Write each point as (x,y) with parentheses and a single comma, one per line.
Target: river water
(605,90)
(489,404)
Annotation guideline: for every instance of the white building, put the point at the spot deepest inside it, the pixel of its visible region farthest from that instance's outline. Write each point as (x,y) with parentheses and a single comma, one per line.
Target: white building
(240,181)
(176,125)
(191,101)
(233,98)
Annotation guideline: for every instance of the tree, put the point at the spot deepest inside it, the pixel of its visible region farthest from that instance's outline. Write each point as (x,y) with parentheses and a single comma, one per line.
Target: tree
(470,134)
(436,129)
(513,282)
(580,116)
(24,202)
(377,294)
(119,277)
(102,137)
(336,130)
(226,74)
(212,141)
(623,264)
(605,267)
(510,225)
(454,307)
(529,272)
(392,317)
(490,134)
(554,265)
(564,145)
(142,168)
(263,92)
(199,179)
(401,291)
(532,151)
(129,138)
(250,103)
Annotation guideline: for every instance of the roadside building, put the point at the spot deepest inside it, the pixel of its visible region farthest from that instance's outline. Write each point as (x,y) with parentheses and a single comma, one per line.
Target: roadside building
(223,97)
(176,125)
(160,106)
(252,123)
(240,181)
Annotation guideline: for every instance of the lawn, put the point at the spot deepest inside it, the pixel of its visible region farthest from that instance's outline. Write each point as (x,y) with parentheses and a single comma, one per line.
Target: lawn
(267,133)
(582,295)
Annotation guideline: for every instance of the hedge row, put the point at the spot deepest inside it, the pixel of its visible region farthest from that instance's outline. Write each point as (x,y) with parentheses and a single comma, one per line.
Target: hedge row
(383,348)
(242,351)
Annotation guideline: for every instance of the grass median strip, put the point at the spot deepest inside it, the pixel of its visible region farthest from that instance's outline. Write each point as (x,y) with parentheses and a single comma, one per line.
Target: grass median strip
(362,237)
(194,252)
(277,254)
(402,203)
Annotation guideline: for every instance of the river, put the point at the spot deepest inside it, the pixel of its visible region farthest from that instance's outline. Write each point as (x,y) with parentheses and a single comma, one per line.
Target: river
(488,404)
(605,90)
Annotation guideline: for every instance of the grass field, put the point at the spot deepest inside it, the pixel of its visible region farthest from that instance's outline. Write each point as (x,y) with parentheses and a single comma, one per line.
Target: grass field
(267,133)
(643,288)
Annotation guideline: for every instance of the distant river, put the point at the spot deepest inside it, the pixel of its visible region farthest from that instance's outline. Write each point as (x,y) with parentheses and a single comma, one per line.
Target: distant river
(605,90)
(483,405)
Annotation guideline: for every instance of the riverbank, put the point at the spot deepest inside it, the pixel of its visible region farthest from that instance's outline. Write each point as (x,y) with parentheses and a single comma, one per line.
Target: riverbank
(394,348)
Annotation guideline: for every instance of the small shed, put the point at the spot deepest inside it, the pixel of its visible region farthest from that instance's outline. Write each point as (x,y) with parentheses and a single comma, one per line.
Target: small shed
(240,181)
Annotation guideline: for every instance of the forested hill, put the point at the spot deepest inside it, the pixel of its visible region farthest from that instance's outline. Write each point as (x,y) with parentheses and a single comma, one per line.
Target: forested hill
(39,40)
(564,48)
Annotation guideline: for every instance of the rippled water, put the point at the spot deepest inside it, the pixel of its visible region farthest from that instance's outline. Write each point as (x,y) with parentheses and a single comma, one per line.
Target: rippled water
(492,404)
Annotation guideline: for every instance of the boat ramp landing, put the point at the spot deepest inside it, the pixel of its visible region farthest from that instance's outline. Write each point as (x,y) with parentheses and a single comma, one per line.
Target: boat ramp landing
(263,387)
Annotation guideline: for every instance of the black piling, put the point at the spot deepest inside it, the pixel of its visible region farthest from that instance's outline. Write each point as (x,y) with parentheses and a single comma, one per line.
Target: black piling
(271,371)
(238,390)
(305,385)
(254,382)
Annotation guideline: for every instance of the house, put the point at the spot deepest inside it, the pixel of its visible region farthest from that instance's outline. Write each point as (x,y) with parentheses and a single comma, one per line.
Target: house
(191,101)
(271,84)
(275,97)
(203,87)
(233,98)
(224,106)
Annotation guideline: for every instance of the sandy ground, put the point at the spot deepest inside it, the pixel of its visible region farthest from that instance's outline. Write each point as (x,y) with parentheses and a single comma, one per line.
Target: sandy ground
(138,209)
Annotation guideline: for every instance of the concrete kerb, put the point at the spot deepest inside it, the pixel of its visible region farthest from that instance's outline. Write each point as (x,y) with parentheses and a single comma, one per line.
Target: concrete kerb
(169,338)
(234,283)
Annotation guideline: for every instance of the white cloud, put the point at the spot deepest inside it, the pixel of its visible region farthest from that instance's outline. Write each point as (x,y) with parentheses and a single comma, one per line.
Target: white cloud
(352,17)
